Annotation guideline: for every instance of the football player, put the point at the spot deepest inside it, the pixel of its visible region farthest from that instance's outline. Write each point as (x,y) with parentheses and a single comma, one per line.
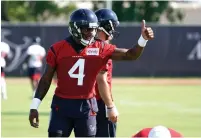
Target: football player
(77,61)
(108,22)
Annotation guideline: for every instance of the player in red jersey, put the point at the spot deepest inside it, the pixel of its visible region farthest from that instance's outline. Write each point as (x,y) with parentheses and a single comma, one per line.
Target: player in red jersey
(77,60)
(158,132)
(108,22)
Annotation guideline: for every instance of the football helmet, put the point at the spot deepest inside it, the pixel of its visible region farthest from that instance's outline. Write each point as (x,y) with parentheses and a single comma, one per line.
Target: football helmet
(83,26)
(108,21)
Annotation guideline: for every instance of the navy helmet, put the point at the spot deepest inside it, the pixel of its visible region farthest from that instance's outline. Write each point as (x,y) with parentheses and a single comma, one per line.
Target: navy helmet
(83,19)
(108,21)
(36,40)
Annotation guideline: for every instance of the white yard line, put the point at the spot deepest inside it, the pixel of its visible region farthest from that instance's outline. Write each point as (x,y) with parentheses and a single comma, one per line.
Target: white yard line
(167,105)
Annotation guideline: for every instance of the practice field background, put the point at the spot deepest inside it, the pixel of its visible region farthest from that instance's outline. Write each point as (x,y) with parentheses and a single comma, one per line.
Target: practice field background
(143,102)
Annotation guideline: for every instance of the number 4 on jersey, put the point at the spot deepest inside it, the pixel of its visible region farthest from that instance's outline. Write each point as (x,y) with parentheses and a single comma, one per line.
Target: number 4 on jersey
(80,76)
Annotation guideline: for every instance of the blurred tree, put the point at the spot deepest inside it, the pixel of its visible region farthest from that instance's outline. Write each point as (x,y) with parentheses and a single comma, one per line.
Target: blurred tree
(96,5)
(4,15)
(148,10)
(32,10)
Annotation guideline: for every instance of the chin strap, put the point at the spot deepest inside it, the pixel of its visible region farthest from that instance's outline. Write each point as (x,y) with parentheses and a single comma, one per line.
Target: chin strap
(86,42)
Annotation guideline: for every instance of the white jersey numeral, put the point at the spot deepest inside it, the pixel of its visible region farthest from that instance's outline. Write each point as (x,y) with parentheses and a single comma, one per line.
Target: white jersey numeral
(80,76)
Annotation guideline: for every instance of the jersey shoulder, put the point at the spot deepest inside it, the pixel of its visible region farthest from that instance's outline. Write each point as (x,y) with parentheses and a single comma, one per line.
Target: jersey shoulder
(53,53)
(56,47)
(58,44)
(105,48)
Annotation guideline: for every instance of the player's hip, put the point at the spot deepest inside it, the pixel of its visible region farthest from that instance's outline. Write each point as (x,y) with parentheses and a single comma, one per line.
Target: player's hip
(75,108)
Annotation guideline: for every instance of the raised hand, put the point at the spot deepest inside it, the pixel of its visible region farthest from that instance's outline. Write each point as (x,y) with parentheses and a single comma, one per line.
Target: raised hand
(146,32)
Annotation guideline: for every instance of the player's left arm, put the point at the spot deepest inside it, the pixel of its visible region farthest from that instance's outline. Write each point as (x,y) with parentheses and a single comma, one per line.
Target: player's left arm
(104,91)
(135,52)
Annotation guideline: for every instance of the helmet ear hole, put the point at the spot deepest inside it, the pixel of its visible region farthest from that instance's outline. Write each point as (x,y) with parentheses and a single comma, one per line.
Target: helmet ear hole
(74,31)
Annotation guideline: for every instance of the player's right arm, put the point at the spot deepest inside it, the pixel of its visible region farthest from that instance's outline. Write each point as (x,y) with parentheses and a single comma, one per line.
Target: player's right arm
(42,89)
(45,82)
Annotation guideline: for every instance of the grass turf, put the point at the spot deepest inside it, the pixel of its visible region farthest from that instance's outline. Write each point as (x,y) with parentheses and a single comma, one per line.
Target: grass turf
(175,106)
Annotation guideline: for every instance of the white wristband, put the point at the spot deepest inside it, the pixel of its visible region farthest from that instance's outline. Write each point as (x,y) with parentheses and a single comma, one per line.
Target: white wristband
(35,103)
(114,109)
(142,42)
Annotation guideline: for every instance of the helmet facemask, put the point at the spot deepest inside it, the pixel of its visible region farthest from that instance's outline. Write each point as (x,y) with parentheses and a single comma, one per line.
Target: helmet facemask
(108,27)
(85,33)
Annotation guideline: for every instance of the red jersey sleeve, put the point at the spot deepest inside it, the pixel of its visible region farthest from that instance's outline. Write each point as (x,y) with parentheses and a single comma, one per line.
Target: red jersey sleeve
(107,53)
(51,58)
(109,49)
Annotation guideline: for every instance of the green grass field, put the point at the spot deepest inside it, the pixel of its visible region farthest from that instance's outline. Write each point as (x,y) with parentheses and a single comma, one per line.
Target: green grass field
(140,105)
